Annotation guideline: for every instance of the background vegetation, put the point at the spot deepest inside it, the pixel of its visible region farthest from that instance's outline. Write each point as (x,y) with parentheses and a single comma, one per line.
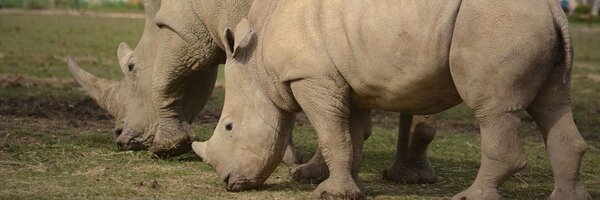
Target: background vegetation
(55,143)
(101,5)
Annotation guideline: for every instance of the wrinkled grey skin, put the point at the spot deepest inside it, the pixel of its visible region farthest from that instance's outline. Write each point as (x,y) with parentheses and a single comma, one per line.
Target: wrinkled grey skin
(128,99)
(186,59)
(186,67)
(335,60)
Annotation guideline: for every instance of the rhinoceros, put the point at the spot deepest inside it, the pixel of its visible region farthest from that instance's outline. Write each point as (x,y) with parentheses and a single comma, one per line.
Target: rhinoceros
(191,48)
(130,99)
(127,99)
(336,60)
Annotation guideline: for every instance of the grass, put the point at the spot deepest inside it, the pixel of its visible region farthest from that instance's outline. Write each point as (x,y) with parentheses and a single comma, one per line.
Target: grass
(63,155)
(104,6)
(37,46)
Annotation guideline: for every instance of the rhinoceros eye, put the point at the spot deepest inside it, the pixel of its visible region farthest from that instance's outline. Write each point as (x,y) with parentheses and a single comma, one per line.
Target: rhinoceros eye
(229,126)
(130,66)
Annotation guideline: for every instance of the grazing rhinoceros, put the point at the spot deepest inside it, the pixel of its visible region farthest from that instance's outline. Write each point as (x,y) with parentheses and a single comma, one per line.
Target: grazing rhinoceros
(129,100)
(190,67)
(336,60)
(191,48)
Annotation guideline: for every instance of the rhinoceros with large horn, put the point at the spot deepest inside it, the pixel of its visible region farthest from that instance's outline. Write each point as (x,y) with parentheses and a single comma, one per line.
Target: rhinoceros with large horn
(128,99)
(335,60)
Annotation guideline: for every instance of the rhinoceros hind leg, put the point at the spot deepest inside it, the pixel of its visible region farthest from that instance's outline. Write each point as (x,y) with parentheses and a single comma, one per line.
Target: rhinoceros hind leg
(411,164)
(501,154)
(314,171)
(551,111)
(291,156)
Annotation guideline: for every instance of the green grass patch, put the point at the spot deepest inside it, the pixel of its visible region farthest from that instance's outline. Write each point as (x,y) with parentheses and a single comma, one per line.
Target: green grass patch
(38,45)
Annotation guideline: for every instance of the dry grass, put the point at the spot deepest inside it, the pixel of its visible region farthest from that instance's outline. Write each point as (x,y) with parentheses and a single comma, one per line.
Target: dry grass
(55,143)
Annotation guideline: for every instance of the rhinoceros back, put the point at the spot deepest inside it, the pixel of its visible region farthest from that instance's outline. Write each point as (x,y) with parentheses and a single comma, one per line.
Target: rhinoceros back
(388,51)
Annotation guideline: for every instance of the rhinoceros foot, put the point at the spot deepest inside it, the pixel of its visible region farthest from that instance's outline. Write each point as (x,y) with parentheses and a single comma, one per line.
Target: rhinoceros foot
(578,193)
(475,192)
(173,141)
(411,173)
(337,188)
(311,172)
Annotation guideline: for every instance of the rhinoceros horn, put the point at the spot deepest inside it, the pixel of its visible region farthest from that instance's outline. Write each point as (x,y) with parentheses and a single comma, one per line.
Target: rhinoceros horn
(199,148)
(103,91)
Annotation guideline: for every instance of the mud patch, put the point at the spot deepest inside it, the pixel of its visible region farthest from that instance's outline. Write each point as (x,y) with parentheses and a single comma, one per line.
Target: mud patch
(47,115)
(83,108)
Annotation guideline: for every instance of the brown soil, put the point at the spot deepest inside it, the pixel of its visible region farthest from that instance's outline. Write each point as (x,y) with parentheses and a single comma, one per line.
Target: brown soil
(21,81)
(47,115)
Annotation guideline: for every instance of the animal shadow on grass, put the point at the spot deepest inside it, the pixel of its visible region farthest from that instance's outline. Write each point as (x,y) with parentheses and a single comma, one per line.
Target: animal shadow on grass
(453,176)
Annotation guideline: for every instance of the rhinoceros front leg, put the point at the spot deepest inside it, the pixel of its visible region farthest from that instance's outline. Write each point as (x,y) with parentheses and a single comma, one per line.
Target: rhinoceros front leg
(315,170)
(411,164)
(326,102)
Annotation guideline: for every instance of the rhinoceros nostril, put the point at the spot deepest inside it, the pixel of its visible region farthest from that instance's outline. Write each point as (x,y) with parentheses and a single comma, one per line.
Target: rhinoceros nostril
(118,132)
(226,180)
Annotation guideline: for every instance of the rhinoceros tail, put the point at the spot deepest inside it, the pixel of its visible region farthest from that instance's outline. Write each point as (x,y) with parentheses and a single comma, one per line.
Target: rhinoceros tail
(562,25)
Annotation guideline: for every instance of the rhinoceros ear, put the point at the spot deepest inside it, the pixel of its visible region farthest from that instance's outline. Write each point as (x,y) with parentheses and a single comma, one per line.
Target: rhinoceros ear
(123,53)
(239,40)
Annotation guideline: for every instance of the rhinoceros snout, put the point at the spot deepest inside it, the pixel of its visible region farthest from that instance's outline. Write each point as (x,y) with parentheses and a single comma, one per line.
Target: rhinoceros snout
(130,146)
(125,143)
(235,184)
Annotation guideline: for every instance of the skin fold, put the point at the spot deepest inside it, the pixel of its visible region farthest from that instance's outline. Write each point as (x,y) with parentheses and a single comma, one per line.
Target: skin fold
(337,60)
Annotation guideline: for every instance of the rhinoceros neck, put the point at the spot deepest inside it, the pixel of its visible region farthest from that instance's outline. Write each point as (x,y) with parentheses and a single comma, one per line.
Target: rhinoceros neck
(146,46)
(218,15)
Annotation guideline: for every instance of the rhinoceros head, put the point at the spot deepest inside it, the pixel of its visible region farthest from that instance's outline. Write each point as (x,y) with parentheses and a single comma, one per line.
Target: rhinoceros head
(125,99)
(249,140)
(130,100)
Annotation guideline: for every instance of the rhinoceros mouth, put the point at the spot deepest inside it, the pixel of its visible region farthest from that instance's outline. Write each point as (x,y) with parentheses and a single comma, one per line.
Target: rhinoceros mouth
(131,146)
(234,183)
